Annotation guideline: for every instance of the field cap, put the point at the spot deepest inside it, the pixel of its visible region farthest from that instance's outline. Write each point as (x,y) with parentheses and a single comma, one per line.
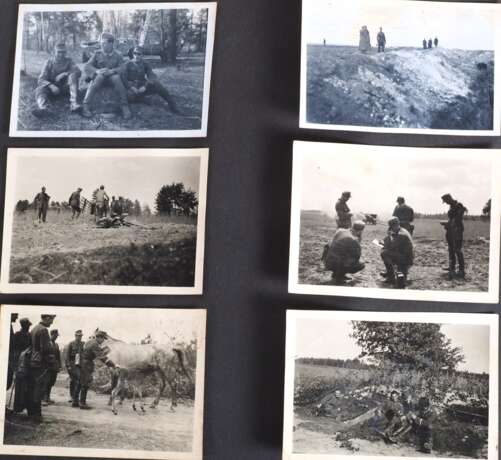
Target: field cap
(107,37)
(393,221)
(61,47)
(54,332)
(400,198)
(358,225)
(346,193)
(101,334)
(446,197)
(47,316)
(80,189)
(138,50)
(25,321)
(79,332)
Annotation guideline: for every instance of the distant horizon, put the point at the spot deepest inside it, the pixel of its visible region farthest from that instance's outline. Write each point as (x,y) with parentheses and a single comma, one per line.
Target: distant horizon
(397,47)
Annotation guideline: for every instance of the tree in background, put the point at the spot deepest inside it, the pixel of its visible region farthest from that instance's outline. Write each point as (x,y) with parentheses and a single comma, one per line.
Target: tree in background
(417,346)
(486,210)
(136,210)
(175,197)
(146,210)
(22,205)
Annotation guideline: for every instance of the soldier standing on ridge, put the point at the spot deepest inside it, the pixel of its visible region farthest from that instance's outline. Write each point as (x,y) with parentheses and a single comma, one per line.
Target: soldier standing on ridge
(454,229)
(435,42)
(381,40)
(59,76)
(424,43)
(405,214)
(430,44)
(42,205)
(343,211)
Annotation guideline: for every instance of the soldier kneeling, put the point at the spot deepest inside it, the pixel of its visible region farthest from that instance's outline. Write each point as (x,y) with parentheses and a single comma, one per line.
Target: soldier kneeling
(59,76)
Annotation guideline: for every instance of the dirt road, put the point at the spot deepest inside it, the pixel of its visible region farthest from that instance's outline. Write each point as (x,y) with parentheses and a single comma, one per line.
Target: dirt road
(156,430)
(431,255)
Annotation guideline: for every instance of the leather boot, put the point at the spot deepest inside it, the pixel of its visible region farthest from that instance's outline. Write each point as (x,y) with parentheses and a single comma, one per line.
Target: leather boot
(41,110)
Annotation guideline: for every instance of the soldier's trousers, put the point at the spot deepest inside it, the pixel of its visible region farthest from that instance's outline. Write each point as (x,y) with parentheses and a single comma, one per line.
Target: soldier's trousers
(99,81)
(392,259)
(51,381)
(380,48)
(66,86)
(339,270)
(424,435)
(154,87)
(42,212)
(455,243)
(37,384)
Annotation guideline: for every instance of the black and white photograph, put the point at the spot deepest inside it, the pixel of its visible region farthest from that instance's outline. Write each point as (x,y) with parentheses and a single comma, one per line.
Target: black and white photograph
(128,221)
(113,70)
(396,385)
(399,66)
(395,222)
(102,382)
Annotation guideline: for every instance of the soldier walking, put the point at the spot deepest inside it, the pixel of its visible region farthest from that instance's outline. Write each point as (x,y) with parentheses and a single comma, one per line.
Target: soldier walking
(59,76)
(454,229)
(42,205)
(92,350)
(101,202)
(343,211)
(54,367)
(74,203)
(342,256)
(140,80)
(40,362)
(72,362)
(397,254)
(104,68)
(405,214)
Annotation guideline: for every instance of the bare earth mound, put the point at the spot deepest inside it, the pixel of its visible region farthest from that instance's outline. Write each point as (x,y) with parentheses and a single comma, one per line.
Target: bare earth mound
(401,88)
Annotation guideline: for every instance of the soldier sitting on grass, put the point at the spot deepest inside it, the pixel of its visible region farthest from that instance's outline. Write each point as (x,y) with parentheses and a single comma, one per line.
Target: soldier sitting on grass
(59,77)
(140,80)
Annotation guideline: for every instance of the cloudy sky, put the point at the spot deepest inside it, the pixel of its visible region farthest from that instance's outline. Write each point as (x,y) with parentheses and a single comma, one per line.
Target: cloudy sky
(405,23)
(376,179)
(137,177)
(323,338)
(130,325)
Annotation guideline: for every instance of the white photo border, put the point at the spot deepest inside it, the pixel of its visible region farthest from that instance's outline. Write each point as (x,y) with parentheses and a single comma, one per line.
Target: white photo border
(388,5)
(14,131)
(491,320)
(302,149)
(197,440)
(24,288)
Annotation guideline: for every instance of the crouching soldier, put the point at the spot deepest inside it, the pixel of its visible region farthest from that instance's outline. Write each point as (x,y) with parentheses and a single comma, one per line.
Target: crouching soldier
(140,80)
(422,422)
(342,256)
(59,76)
(92,350)
(397,252)
(104,68)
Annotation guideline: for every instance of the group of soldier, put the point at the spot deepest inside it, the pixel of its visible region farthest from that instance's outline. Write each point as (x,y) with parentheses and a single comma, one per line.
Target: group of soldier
(402,415)
(342,255)
(35,361)
(131,80)
(101,204)
(364,44)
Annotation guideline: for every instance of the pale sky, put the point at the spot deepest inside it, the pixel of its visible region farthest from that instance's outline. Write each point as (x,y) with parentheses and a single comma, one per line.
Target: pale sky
(376,181)
(324,338)
(405,22)
(139,177)
(130,325)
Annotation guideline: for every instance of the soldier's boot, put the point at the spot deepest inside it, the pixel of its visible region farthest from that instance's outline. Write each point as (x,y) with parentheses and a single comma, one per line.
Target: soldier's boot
(83,399)
(461,271)
(42,106)
(166,96)
(400,280)
(126,113)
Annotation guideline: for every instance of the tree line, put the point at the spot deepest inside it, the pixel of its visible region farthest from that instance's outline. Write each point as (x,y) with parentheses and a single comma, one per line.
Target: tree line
(175,30)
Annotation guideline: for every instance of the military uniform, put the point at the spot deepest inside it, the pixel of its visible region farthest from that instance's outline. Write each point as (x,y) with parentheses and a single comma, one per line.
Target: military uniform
(74,203)
(397,250)
(422,422)
(393,412)
(72,362)
(343,214)
(42,205)
(381,41)
(405,215)
(454,230)
(41,359)
(139,74)
(102,200)
(53,67)
(343,255)
(92,350)
(54,368)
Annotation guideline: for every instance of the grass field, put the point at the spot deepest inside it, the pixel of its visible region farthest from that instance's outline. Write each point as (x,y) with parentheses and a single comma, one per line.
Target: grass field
(345,429)
(185,82)
(430,248)
(401,88)
(159,252)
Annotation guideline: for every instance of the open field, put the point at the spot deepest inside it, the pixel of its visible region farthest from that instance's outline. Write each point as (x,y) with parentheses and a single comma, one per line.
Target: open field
(156,430)
(184,81)
(159,252)
(401,88)
(430,248)
(346,429)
